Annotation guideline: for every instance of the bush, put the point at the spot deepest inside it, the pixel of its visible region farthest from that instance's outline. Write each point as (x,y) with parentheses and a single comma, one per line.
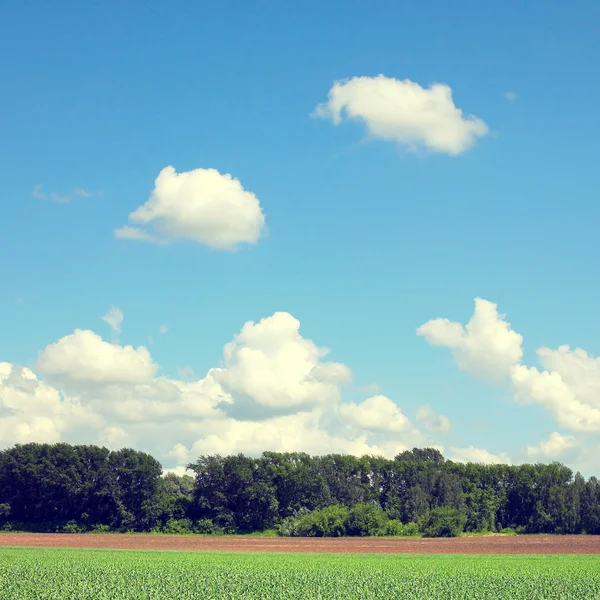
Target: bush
(366,519)
(396,527)
(177,526)
(327,522)
(443,521)
(101,528)
(508,531)
(206,527)
(71,527)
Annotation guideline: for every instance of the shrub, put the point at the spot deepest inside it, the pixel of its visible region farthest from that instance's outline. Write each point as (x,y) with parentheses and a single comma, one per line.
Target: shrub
(443,521)
(101,528)
(397,528)
(327,522)
(366,519)
(206,527)
(71,527)
(177,526)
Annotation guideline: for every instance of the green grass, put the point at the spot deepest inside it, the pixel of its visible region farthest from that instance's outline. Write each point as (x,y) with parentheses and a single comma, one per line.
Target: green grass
(40,573)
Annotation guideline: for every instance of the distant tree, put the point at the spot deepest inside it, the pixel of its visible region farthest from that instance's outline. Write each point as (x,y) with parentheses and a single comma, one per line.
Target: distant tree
(421,455)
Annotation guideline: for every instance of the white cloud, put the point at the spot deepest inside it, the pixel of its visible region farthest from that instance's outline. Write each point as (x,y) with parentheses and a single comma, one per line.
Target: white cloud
(163,329)
(114,319)
(371,388)
(568,385)
(63,198)
(271,364)
(554,446)
(487,347)
(404,112)
(201,205)
(377,413)
(85,356)
(31,410)
(478,455)
(179,471)
(510,96)
(432,421)
(301,431)
(549,389)
(134,233)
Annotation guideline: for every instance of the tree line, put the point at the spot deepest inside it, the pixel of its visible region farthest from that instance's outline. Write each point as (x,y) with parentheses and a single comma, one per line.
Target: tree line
(62,487)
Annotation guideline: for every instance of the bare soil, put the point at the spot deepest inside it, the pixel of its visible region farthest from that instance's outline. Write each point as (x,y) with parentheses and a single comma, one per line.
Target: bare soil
(492,544)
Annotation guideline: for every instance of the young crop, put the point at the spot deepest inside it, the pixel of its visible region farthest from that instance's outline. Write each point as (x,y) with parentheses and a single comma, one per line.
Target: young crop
(45,574)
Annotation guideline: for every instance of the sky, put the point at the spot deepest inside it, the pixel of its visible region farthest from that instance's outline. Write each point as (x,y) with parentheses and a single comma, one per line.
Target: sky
(339,227)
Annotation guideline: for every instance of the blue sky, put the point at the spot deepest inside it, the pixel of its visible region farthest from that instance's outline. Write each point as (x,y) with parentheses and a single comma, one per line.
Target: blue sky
(366,239)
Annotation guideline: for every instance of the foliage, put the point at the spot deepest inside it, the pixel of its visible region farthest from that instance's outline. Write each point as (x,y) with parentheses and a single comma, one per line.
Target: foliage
(327,522)
(29,573)
(443,521)
(177,526)
(45,487)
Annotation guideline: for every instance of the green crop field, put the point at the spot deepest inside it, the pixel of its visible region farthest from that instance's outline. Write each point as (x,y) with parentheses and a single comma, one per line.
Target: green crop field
(64,574)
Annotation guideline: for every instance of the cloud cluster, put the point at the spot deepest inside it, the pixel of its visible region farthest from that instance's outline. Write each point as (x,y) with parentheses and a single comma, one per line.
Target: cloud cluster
(275,390)
(567,385)
(201,205)
(404,112)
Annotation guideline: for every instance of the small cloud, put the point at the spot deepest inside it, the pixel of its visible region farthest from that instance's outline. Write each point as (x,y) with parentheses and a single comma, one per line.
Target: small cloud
(19,300)
(163,328)
(432,421)
(186,373)
(63,198)
(510,96)
(203,206)
(371,388)
(133,233)
(554,446)
(404,112)
(150,340)
(478,455)
(114,319)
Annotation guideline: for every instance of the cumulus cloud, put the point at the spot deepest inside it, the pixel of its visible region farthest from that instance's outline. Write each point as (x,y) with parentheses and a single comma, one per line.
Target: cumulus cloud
(486,347)
(301,431)
(114,319)
(478,455)
(31,410)
(510,96)
(163,329)
(568,385)
(85,356)
(404,112)
(432,421)
(271,364)
(201,205)
(63,198)
(377,413)
(554,446)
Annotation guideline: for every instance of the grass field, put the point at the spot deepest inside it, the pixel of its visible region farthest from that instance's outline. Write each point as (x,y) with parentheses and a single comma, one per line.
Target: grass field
(46,573)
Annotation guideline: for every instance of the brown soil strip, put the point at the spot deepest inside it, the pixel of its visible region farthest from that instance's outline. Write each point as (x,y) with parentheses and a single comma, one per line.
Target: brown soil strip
(568,544)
